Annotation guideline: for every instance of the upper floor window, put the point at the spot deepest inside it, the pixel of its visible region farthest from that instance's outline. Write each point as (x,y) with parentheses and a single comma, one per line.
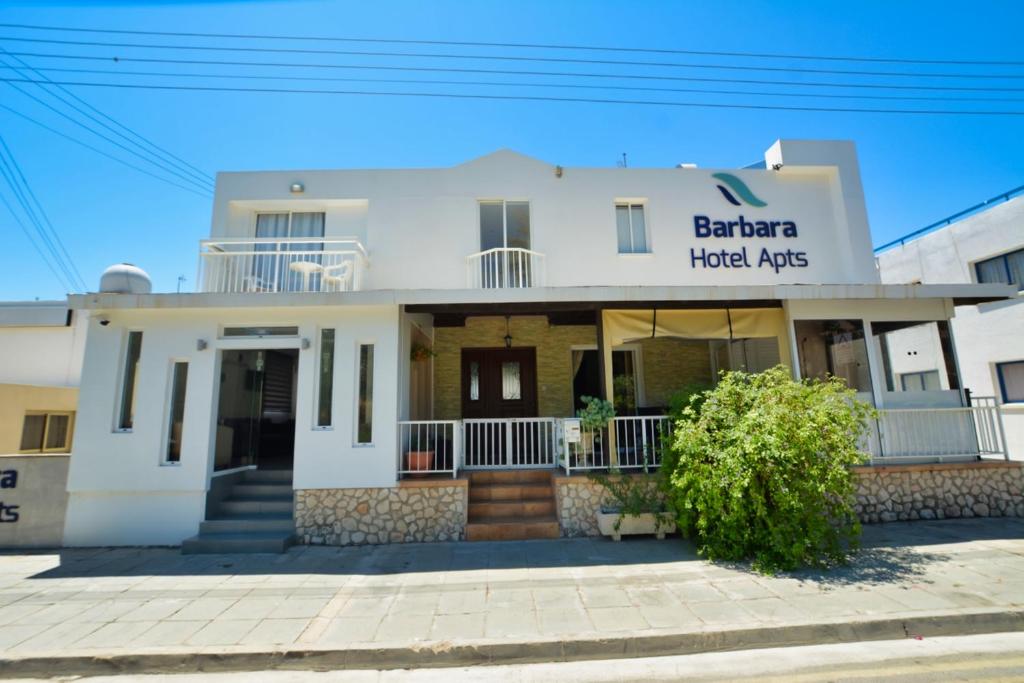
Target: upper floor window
(1011,381)
(504,225)
(631,225)
(129,377)
(46,432)
(1007,268)
(292,265)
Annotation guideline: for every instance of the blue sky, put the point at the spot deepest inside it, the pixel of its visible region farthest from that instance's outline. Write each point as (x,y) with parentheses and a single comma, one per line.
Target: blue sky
(915,169)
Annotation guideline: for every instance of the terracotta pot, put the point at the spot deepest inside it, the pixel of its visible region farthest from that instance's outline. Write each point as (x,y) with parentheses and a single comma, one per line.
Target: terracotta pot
(419,461)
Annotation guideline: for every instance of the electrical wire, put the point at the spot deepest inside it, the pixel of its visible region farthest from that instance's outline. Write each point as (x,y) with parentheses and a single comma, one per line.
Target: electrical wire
(508,58)
(533,98)
(167,74)
(136,138)
(539,46)
(31,120)
(510,72)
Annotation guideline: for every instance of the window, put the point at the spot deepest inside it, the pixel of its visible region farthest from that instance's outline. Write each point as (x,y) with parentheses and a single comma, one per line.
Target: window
(1011,381)
(511,386)
(290,331)
(836,348)
(364,417)
(505,226)
(325,397)
(126,416)
(273,271)
(1007,268)
(179,382)
(632,228)
(46,433)
(928,380)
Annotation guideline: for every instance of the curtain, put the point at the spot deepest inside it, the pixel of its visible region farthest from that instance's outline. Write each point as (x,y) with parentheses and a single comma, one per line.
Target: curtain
(310,224)
(266,270)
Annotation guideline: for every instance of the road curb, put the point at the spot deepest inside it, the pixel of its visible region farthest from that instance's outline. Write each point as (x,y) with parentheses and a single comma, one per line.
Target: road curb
(491,652)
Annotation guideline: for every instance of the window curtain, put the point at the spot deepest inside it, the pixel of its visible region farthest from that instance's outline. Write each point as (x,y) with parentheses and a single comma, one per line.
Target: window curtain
(310,224)
(266,265)
(993,270)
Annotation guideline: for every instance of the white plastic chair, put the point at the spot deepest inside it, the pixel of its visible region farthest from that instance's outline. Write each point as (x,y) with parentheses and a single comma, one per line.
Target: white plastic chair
(337,278)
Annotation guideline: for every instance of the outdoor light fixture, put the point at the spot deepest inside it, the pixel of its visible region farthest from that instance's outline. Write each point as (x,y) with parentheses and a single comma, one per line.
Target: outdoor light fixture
(297,188)
(201,344)
(305,343)
(508,335)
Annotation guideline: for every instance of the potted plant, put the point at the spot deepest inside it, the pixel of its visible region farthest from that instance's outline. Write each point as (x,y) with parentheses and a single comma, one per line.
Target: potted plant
(594,417)
(635,508)
(419,457)
(421,352)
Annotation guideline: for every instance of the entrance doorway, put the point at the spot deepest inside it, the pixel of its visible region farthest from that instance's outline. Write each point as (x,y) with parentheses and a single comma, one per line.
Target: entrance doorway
(256,410)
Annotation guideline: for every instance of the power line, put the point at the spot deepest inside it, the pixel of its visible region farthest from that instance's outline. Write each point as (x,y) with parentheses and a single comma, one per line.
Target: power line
(64,276)
(100,151)
(534,98)
(54,235)
(166,74)
(168,156)
(197,179)
(511,58)
(35,245)
(510,72)
(162,167)
(539,46)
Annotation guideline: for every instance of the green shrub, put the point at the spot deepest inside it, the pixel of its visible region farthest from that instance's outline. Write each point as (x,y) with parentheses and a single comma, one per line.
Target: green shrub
(759,469)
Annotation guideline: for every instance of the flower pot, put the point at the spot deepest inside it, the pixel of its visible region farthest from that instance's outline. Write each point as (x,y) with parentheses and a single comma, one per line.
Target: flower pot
(644,523)
(419,461)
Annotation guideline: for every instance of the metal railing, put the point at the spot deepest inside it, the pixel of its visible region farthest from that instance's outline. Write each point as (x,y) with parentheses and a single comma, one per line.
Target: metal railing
(638,442)
(296,264)
(505,268)
(937,434)
(515,442)
(429,447)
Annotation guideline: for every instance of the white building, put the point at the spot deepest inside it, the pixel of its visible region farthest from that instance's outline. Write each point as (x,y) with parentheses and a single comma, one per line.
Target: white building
(985,246)
(356,330)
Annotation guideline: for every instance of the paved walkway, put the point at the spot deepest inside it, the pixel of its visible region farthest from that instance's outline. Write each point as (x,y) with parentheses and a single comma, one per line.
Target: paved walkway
(117,601)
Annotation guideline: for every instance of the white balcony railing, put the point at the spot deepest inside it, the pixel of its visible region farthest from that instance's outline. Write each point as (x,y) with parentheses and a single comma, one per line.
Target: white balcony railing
(297,264)
(511,268)
(429,447)
(937,434)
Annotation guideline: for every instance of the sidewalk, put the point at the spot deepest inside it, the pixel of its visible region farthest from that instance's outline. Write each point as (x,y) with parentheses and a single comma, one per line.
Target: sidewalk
(100,611)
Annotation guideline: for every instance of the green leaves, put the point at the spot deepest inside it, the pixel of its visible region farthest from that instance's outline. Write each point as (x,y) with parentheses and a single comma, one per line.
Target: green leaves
(759,469)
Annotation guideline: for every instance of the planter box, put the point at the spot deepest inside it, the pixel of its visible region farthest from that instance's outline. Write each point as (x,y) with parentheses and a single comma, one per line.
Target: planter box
(646,523)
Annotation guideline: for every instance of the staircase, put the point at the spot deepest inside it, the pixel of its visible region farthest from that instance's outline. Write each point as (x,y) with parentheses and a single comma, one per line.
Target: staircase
(511,506)
(255,517)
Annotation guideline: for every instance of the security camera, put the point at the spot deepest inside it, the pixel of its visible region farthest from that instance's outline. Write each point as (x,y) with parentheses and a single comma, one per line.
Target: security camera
(104,322)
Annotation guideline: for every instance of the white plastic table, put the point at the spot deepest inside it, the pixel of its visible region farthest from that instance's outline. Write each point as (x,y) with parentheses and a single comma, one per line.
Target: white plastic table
(306,268)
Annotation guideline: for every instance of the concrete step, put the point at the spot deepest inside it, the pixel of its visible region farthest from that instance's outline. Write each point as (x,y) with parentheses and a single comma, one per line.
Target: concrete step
(538,507)
(511,529)
(509,492)
(268,476)
(510,477)
(262,490)
(249,542)
(278,522)
(248,506)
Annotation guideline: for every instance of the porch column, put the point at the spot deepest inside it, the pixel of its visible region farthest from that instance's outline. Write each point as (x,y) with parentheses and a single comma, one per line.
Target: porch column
(607,376)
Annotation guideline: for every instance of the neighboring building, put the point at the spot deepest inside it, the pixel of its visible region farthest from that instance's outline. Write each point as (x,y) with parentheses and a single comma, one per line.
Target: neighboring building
(987,247)
(359,338)
(41,343)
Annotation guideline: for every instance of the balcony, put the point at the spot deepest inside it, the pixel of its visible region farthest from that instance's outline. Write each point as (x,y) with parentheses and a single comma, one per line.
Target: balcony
(505,268)
(273,265)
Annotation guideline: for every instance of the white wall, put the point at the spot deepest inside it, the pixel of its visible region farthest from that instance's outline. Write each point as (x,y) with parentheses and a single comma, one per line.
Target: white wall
(121,492)
(986,334)
(420,225)
(38,346)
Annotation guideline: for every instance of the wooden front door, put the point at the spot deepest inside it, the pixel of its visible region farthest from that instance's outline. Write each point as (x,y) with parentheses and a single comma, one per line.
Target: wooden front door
(499,383)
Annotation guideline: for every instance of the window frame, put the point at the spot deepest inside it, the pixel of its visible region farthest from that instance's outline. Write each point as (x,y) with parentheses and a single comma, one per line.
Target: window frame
(122,376)
(256,213)
(319,379)
(169,412)
(504,221)
(1004,260)
(630,204)
(919,374)
(1002,381)
(42,450)
(358,393)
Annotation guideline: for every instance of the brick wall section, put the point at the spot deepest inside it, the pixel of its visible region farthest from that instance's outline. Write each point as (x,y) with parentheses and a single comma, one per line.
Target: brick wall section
(415,511)
(554,359)
(671,364)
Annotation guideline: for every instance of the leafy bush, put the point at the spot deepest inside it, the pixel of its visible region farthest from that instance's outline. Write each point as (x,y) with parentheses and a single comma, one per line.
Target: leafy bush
(688,396)
(759,468)
(596,413)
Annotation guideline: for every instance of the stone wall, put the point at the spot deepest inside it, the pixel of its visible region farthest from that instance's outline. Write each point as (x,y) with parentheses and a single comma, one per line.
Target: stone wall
(554,359)
(577,499)
(414,511)
(939,491)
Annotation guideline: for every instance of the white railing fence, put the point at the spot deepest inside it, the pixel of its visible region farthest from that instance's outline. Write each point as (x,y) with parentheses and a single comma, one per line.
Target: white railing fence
(589,453)
(429,447)
(639,440)
(297,264)
(937,434)
(505,269)
(509,442)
